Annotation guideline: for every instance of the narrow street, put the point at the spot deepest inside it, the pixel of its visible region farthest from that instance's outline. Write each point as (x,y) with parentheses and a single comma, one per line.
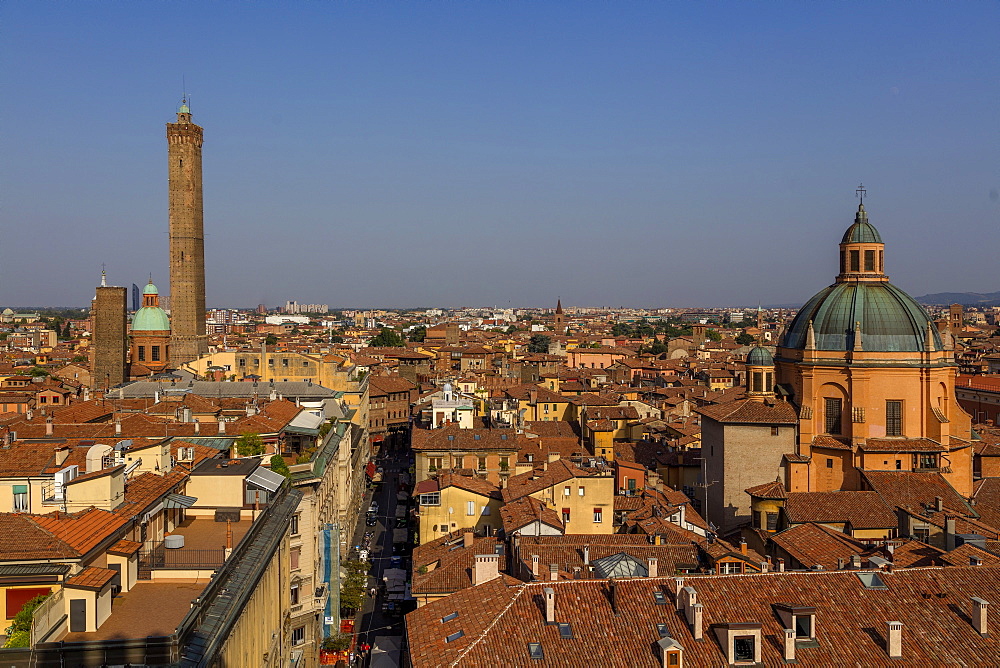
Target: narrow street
(372,620)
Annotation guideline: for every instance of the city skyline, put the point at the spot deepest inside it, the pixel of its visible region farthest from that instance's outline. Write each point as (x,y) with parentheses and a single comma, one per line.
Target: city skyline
(612,155)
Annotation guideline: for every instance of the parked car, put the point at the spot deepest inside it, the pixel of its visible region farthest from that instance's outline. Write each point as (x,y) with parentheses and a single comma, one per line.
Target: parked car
(374,507)
(395,561)
(371,520)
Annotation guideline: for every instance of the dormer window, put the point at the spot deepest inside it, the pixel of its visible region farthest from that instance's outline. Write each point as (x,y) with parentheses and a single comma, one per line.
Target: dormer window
(799,618)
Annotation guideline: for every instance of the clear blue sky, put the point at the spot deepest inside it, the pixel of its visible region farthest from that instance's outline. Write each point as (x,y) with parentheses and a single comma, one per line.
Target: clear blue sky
(444,153)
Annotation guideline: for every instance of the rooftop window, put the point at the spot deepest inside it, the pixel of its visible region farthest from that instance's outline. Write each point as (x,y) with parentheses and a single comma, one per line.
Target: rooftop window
(454,636)
(659,598)
(535,651)
(661,629)
(871,580)
(565,632)
(448,618)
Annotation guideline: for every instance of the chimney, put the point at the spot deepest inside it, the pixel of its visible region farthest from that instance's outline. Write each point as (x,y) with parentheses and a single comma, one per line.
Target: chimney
(118,427)
(534,565)
(789,645)
(61,455)
(553,457)
(553,572)
(586,555)
(856,561)
(222,426)
(197,427)
(487,567)
(938,504)
(651,566)
(781,565)
(840,563)
(613,587)
(696,621)
(48,426)
(743,546)
(894,643)
(949,533)
(532,397)
(468,538)
(550,605)
(979,616)
(678,587)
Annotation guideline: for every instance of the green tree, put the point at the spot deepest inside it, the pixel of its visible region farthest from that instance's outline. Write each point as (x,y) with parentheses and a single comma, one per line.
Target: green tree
(250,445)
(79,359)
(539,343)
(655,348)
(512,329)
(387,338)
(295,329)
(66,332)
(278,465)
(713,335)
(745,339)
(271,339)
(418,334)
(38,371)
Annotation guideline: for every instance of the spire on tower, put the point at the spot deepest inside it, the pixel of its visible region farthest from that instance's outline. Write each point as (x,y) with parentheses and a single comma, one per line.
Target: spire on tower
(104,276)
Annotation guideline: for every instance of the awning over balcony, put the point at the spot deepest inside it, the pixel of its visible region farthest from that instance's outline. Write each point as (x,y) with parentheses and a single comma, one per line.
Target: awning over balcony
(266,479)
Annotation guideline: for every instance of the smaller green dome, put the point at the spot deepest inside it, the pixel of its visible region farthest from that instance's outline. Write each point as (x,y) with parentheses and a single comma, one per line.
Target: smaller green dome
(150,289)
(150,319)
(759,357)
(185,109)
(861,232)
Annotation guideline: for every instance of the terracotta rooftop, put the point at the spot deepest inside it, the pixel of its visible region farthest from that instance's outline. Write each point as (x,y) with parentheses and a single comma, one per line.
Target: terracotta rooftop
(91,578)
(752,412)
(863,510)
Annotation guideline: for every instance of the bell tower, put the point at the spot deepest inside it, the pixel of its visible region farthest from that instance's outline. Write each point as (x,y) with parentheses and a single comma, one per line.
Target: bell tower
(187,239)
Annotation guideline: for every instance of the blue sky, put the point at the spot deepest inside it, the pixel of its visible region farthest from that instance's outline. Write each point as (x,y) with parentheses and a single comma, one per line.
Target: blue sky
(441,154)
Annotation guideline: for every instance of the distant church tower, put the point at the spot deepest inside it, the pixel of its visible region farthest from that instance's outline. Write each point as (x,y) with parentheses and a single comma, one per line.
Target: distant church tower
(187,240)
(559,319)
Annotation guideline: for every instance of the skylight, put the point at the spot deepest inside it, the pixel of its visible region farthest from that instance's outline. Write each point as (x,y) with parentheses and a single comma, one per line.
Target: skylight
(454,636)
(535,651)
(565,631)
(661,629)
(448,618)
(659,598)
(871,580)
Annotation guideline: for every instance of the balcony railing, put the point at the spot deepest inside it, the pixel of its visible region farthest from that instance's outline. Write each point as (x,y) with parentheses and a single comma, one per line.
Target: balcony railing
(47,617)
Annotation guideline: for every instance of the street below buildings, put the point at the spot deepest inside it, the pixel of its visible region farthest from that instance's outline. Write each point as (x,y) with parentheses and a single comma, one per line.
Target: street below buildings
(375,619)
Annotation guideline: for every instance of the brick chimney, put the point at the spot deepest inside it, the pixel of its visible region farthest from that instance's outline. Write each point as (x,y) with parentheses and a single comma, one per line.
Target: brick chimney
(48,426)
(613,590)
(487,568)
(534,565)
(61,455)
(553,457)
(468,538)
(789,645)
(781,565)
(894,641)
(118,427)
(550,605)
(651,566)
(678,588)
(979,616)
(743,546)
(553,572)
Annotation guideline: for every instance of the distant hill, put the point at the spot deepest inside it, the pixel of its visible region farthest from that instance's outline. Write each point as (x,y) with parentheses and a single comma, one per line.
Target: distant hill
(963,298)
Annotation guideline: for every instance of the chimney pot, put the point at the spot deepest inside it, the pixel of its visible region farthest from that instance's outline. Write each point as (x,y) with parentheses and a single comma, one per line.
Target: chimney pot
(894,645)
(678,588)
(553,572)
(743,546)
(781,565)
(586,555)
(696,621)
(979,609)
(550,605)
(651,566)
(855,561)
(534,565)
(938,504)
(468,538)
(789,645)
(840,563)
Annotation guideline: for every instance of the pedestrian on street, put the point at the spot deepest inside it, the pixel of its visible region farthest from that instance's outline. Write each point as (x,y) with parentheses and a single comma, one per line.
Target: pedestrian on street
(372,592)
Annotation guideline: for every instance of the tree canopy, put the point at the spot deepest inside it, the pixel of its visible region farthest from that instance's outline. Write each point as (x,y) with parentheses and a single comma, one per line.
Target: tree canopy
(745,339)
(539,343)
(387,338)
(250,445)
(418,334)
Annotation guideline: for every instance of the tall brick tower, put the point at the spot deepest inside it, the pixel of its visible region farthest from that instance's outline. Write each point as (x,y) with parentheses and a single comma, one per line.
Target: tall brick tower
(187,240)
(109,324)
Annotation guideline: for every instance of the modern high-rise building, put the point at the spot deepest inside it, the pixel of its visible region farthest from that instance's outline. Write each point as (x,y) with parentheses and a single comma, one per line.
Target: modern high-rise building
(187,240)
(109,324)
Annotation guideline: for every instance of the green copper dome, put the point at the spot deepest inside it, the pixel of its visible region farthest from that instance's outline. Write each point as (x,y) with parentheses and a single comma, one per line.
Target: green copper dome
(150,318)
(891,321)
(759,357)
(861,232)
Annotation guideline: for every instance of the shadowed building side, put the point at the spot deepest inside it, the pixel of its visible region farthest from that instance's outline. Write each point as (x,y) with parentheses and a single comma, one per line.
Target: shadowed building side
(108,313)
(187,239)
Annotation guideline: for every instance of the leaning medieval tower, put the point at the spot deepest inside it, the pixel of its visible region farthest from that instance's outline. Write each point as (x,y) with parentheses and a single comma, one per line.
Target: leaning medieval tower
(187,240)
